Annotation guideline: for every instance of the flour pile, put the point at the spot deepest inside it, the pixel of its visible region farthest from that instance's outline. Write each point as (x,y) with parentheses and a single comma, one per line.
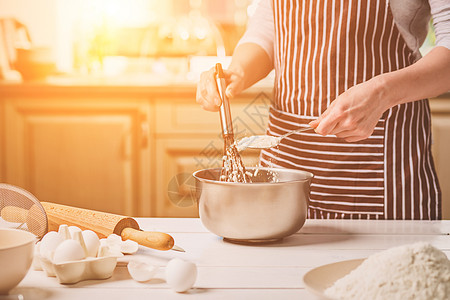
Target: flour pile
(416,271)
(257,141)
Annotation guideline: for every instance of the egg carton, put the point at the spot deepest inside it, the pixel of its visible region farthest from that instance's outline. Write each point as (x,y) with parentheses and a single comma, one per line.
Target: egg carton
(72,255)
(75,271)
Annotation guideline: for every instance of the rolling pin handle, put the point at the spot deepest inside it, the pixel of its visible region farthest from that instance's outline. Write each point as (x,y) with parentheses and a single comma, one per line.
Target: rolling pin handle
(151,239)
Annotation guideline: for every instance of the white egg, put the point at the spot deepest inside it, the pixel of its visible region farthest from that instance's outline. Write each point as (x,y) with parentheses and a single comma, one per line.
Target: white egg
(180,275)
(113,239)
(49,243)
(116,245)
(68,250)
(129,247)
(72,230)
(92,242)
(115,248)
(141,271)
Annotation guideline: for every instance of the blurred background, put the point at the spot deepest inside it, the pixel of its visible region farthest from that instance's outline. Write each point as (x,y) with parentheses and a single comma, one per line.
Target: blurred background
(97,100)
(112,37)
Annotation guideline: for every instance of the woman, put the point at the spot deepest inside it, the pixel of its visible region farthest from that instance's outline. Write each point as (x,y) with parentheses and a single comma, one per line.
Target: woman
(350,69)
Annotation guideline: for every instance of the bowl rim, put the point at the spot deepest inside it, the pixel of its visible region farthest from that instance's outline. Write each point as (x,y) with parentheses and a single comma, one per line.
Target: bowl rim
(310,176)
(32,238)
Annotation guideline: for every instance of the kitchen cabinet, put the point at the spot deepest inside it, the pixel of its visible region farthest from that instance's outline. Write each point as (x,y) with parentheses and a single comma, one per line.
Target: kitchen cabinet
(116,149)
(87,152)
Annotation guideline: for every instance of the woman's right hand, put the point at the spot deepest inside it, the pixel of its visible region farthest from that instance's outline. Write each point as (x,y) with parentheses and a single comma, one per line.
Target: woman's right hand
(207,93)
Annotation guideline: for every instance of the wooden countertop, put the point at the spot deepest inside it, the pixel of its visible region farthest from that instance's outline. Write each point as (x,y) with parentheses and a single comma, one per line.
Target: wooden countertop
(68,86)
(233,271)
(111,86)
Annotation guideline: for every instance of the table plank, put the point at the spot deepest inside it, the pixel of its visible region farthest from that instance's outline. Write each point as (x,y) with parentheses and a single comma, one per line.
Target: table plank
(37,293)
(385,227)
(210,277)
(199,242)
(310,251)
(390,227)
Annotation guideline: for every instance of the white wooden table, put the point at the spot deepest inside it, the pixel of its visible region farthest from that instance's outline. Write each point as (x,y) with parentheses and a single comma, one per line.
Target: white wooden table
(232,271)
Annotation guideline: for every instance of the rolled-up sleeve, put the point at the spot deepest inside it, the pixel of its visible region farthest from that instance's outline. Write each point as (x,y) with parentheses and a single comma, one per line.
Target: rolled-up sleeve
(440,11)
(260,28)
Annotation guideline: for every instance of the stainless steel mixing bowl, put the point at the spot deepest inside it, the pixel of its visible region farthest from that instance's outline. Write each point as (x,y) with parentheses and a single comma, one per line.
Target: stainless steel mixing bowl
(260,211)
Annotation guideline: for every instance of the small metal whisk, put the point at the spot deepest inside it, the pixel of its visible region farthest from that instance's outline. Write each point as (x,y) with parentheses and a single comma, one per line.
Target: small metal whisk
(233,169)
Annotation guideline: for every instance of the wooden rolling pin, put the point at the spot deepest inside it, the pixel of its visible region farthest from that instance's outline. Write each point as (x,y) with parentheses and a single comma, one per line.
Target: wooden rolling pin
(105,224)
(33,217)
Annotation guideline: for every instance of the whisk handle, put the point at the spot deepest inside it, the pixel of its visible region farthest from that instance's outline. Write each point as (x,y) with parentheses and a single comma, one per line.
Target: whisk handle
(225,112)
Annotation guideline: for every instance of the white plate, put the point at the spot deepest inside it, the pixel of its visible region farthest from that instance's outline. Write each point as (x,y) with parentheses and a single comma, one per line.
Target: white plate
(319,279)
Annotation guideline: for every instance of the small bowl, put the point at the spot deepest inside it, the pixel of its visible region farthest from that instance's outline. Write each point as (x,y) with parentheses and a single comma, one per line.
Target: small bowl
(16,256)
(262,211)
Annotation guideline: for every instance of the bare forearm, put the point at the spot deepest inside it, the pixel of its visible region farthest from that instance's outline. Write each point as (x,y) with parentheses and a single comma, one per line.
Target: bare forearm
(251,62)
(428,77)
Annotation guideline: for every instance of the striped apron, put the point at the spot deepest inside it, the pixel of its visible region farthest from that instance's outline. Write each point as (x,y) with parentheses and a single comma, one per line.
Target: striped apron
(323,48)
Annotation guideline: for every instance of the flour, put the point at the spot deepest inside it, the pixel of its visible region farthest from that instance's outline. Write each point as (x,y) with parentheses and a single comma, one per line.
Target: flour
(257,141)
(416,271)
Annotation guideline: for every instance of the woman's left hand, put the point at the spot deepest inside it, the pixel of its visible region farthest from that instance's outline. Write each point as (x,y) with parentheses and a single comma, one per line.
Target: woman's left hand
(354,114)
